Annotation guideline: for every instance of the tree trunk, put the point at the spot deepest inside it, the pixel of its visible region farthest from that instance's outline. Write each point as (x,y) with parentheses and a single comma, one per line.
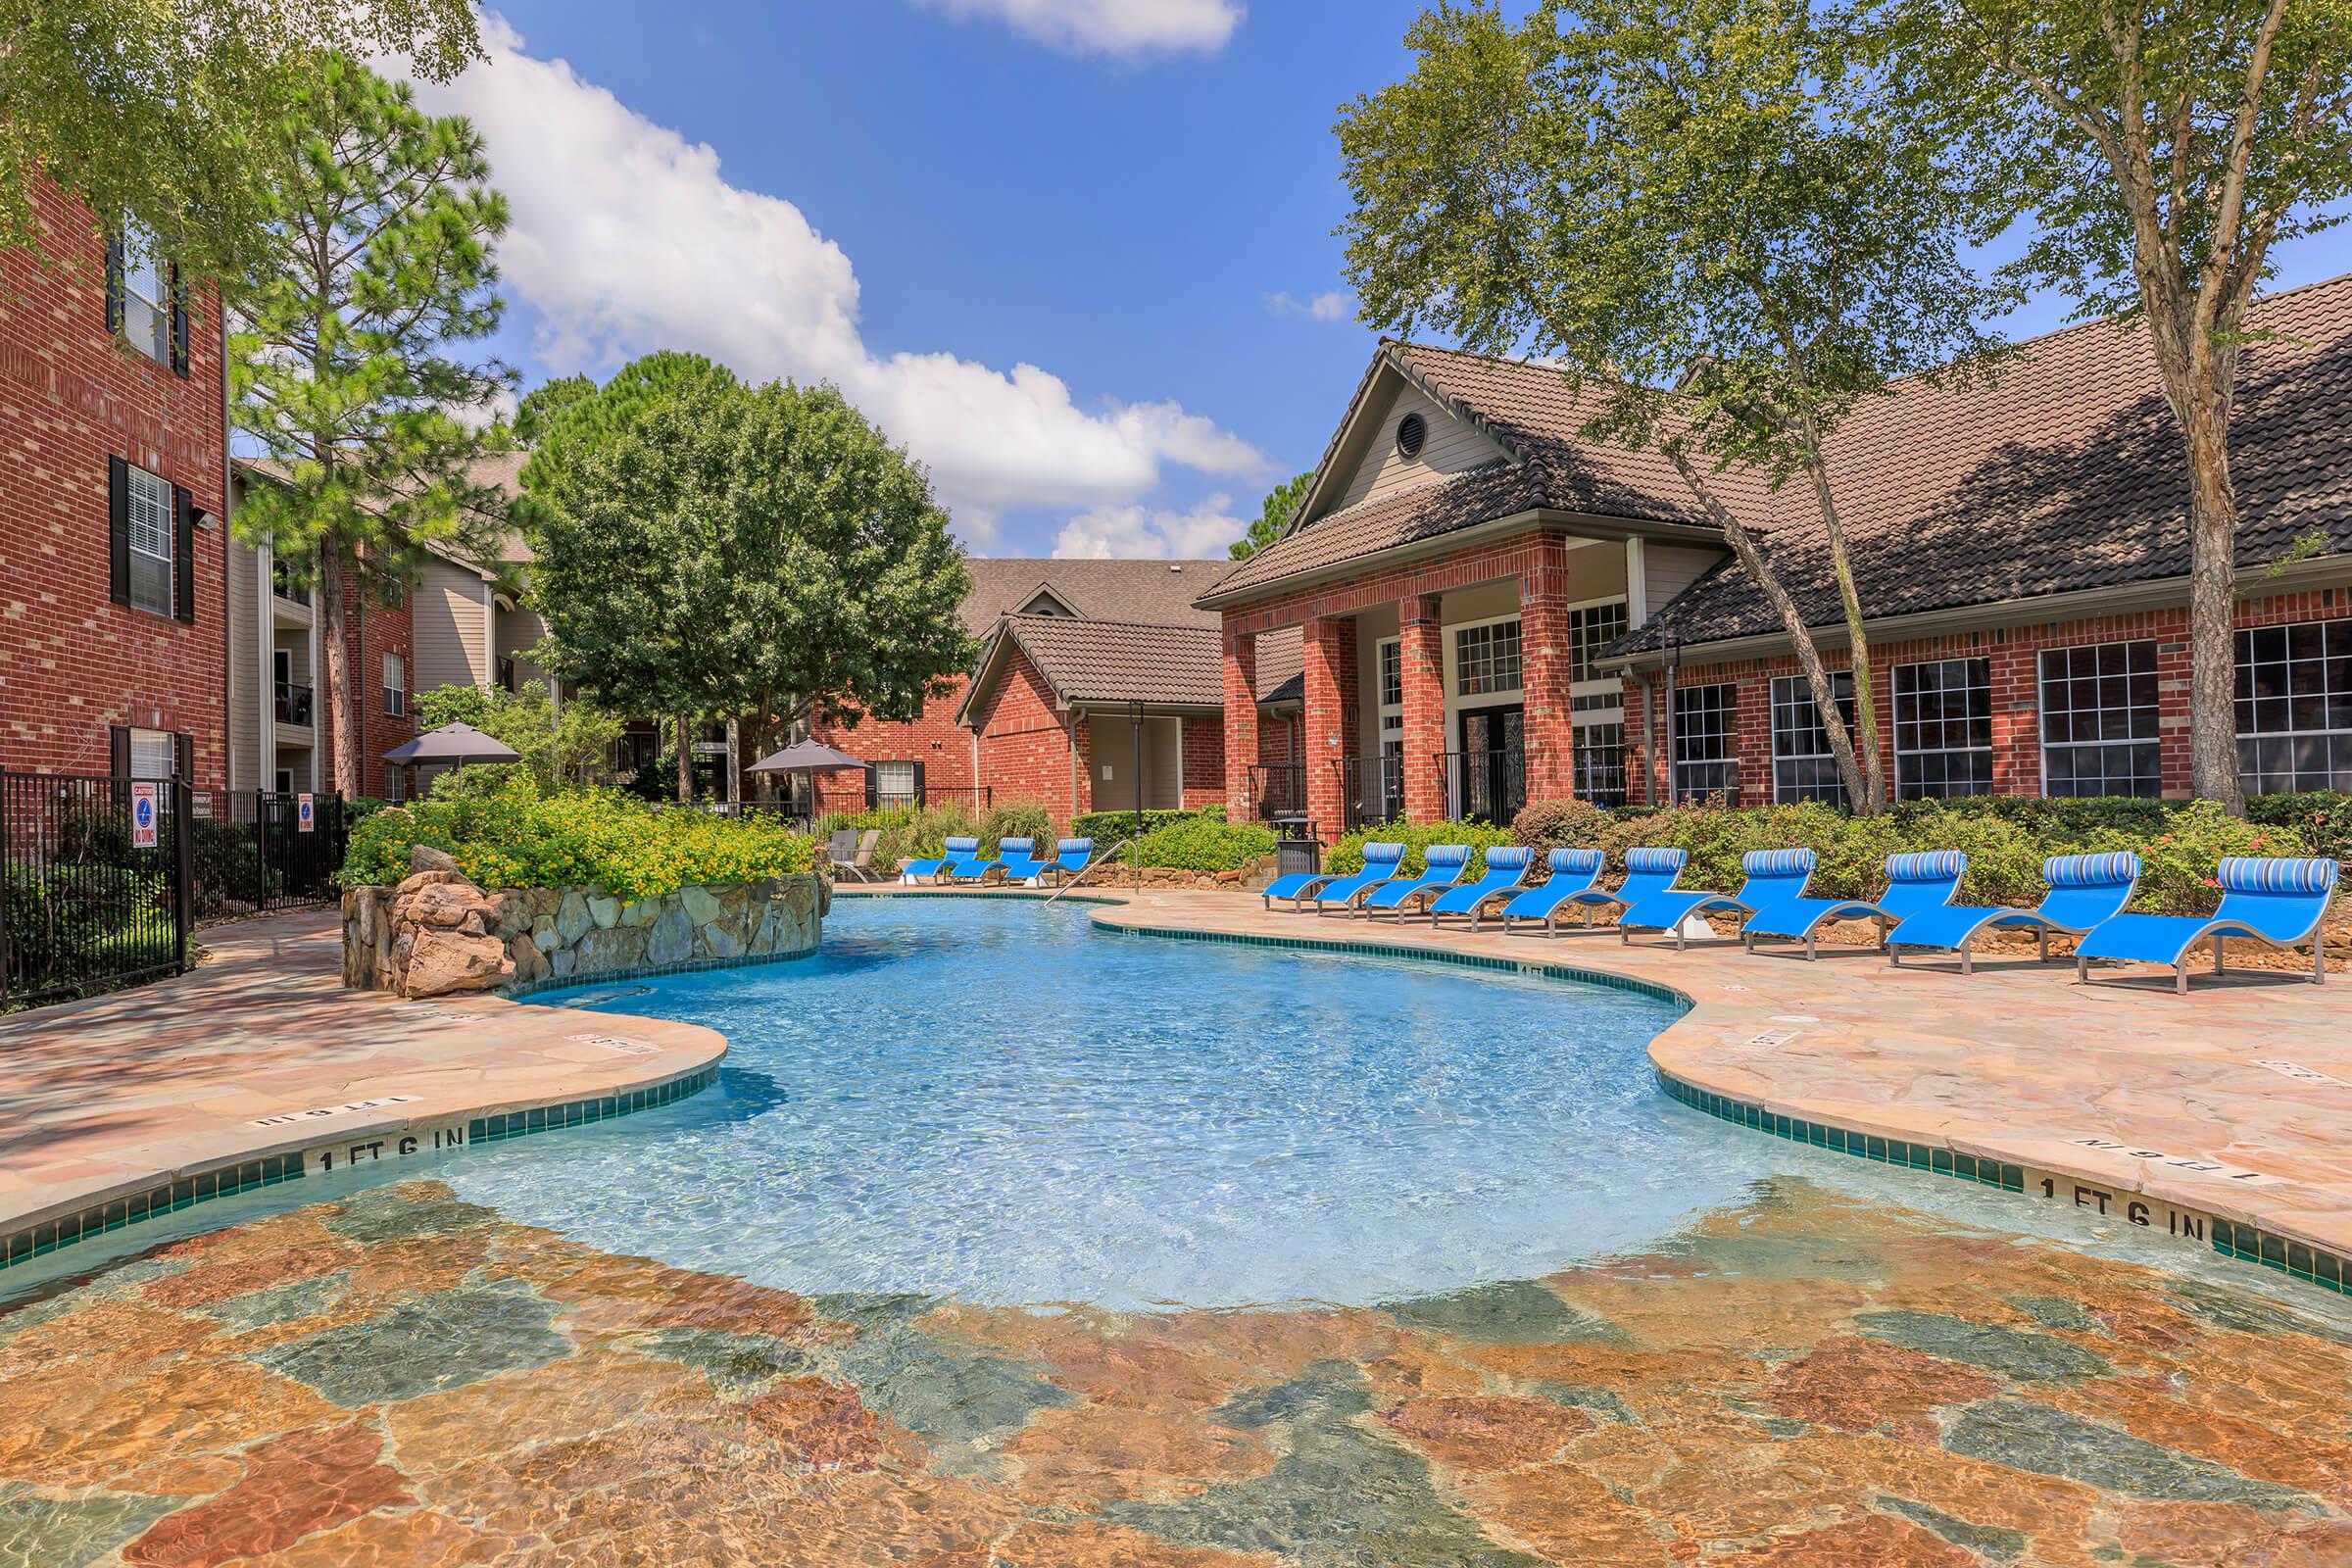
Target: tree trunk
(685,761)
(1873,798)
(336,697)
(2212,613)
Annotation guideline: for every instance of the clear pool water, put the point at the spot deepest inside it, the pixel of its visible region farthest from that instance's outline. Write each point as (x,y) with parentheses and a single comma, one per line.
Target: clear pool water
(996,1100)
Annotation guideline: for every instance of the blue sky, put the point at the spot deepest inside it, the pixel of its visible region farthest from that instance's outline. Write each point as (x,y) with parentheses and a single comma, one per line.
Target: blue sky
(1069,252)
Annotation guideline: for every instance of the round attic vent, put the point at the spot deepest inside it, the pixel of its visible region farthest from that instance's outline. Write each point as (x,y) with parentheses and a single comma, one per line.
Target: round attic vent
(1411,431)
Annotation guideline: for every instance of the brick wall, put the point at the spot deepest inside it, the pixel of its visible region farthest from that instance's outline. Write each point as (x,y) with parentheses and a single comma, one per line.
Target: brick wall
(2013,656)
(1203,759)
(1026,745)
(72,662)
(934,740)
(371,632)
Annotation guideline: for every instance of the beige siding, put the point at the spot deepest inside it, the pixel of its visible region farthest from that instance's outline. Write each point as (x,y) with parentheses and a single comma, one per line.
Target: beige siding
(1671,568)
(1450,448)
(1111,742)
(450,630)
(518,631)
(245,611)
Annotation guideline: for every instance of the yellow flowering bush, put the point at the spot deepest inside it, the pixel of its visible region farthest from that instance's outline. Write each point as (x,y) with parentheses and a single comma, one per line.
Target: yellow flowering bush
(521,838)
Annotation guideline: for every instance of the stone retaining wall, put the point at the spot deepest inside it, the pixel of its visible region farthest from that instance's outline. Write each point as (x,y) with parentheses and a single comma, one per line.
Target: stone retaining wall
(437,933)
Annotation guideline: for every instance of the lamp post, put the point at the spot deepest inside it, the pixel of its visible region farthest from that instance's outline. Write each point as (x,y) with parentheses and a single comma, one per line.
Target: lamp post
(1134,719)
(1671,644)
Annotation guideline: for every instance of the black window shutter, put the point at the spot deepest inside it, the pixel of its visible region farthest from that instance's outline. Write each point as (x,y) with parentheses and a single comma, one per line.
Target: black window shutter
(118,501)
(183,555)
(179,322)
(118,748)
(918,783)
(114,282)
(184,755)
(873,786)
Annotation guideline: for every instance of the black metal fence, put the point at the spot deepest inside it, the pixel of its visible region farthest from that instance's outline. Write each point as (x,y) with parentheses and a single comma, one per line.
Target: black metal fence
(254,852)
(1489,786)
(1371,790)
(1278,790)
(95,884)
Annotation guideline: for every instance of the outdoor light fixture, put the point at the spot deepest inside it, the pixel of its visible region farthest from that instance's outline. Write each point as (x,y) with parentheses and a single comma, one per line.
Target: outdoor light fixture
(1135,717)
(1670,645)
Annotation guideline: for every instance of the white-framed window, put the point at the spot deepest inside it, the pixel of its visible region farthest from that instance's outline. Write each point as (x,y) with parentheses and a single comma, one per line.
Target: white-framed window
(396,685)
(1390,659)
(2099,720)
(145,282)
(1803,768)
(1486,659)
(894,784)
(1705,730)
(1591,628)
(396,783)
(152,528)
(154,754)
(1943,728)
(2294,708)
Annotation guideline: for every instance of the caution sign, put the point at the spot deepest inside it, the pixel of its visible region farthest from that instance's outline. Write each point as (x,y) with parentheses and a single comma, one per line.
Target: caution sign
(142,816)
(305,816)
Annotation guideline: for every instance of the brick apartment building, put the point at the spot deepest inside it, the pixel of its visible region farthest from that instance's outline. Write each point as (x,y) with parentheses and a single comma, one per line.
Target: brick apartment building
(1495,609)
(113,545)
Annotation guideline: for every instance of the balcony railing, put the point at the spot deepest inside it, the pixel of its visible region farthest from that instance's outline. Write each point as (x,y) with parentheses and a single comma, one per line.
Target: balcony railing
(1371,790)
(293,704)
(1487,786)
(1278,790)
(283,585)
(1601,774)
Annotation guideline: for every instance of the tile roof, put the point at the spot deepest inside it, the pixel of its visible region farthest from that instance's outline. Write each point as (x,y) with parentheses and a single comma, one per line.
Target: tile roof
(2065,473)
(1152,593)
(1120,662)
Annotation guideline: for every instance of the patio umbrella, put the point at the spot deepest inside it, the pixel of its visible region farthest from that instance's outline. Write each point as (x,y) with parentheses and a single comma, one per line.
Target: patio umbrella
(805,757)
(455,745)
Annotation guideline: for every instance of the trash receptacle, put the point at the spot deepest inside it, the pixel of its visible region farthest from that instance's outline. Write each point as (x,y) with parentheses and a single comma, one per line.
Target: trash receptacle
(1297,847)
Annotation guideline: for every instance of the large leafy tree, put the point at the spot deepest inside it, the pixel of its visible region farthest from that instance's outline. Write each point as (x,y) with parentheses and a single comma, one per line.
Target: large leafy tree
(167,110)
(749,552)
(2157,153)
(1272,517)
(1704,211)
(351,368)
(562,745)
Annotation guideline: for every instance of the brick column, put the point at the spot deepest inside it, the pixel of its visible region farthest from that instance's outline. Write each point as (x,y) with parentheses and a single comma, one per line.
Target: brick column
(1330,656)
(1421,670)
(2015,673)
(1544,675)
(1241,723)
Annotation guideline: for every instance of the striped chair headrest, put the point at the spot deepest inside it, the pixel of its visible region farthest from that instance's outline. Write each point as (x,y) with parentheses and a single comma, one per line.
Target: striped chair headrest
(2091,870)
(1448,855)
(1380,850)
(1016,846)
(954,845)
(1777,863)
(2249,874)
(1655,859)
(1928,865)
(1574,862)
(1075,847)
(1508,857)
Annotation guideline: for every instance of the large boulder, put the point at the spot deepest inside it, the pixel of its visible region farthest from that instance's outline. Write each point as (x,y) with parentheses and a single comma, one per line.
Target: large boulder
(424,857)
(445,962)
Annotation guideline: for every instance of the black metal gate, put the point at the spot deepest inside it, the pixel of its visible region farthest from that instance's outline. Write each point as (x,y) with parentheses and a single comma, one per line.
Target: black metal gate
(95,882)
(253,852)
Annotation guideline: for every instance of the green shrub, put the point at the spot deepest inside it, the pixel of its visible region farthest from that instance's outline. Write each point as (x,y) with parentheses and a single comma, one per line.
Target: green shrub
(1559,824)
(908,833)
(1347,856)
(520,838)
(1107,828)
(2323,819)
(1201,843)
(2177,865)
(1016,819)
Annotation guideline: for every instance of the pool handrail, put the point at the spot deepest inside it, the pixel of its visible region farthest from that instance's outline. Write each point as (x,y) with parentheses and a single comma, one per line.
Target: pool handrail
(1922,880)
(1442,866)
(1768,877)
(1507,866)
(2086,890)
(1109,857)
(2278,902)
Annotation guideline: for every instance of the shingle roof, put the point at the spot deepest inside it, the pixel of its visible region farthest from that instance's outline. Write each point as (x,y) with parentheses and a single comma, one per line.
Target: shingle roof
(1120,662)
(1152,593)
(2065,475)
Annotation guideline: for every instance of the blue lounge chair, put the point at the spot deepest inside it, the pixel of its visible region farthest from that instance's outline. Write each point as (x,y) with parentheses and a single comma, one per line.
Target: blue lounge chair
(1383,862)
(1770,877)
(2280,903)
(1018,860)
(1446,865)
(957,851)
(974,867)
(2086,890)
(1648,872)
(1914,883)
(1505,878)
(1070,856)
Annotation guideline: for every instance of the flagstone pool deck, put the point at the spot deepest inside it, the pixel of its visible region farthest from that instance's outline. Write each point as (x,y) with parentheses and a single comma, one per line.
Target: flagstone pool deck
(2233,1104)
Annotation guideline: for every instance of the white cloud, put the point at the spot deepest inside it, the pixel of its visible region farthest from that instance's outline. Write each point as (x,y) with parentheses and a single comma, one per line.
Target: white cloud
(1112,27)
(1332,307)
(625,238)
(1129,534)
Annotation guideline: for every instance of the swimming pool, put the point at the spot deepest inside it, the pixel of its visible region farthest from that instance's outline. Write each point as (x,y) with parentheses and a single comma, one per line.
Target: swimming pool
(997,1100)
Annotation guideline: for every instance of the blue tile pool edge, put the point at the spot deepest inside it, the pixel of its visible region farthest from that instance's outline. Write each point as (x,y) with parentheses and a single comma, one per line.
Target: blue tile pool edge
(2248,1244)
(236,1177)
